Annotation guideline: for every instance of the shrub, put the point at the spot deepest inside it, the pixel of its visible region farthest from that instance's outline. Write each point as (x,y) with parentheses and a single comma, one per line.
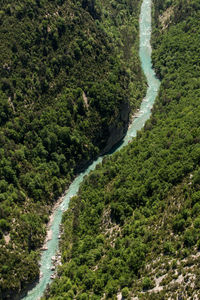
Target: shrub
(168,248)
(147,284)
(125,292)
(189,238)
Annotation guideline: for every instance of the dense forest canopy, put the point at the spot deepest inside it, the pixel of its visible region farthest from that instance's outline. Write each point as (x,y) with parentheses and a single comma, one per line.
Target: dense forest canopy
(134,227)
(70,75)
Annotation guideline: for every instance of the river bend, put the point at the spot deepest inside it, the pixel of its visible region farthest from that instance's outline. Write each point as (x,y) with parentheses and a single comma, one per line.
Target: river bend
(138,122)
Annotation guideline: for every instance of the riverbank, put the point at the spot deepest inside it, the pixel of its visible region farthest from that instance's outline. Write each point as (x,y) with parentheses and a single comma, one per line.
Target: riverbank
(88,219)
(48,227)
(47,76)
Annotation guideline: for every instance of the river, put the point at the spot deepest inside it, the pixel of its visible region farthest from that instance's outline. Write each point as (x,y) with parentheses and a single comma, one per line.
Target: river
(138,122)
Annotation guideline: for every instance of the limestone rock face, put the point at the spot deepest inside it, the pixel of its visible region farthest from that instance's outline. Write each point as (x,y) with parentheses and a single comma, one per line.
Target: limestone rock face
(118,130)
(113,134)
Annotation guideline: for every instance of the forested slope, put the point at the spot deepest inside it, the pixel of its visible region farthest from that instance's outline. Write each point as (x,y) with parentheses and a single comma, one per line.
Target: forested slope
(70,75)
(134,227)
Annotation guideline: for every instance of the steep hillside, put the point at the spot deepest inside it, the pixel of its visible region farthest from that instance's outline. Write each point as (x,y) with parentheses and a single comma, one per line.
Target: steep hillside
(134,227)
(70,75)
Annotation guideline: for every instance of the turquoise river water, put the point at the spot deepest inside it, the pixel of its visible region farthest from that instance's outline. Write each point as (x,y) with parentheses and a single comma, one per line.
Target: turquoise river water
(138,122)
